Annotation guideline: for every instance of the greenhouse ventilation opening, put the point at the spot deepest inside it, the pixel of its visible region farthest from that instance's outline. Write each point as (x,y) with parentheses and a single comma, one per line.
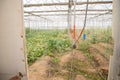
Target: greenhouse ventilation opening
(43,19)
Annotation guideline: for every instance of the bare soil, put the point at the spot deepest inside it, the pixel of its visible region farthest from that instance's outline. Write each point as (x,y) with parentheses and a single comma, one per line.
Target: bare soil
(42,69)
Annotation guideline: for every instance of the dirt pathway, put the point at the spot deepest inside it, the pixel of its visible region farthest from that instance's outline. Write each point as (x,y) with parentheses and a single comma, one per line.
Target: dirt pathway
(37,71)
(40,69)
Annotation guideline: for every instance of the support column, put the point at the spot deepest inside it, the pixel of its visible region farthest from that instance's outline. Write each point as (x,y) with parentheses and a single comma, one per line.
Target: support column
(115,66)
(12,40)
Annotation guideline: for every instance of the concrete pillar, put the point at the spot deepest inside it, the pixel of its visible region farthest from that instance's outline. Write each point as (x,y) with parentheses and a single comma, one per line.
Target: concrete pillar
(12,40)
(115,66)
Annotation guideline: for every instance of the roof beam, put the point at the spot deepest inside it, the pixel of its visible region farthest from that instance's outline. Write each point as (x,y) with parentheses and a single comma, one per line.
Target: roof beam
(82,10)
(67,14)
(31,14)
(100,15)
(66,3)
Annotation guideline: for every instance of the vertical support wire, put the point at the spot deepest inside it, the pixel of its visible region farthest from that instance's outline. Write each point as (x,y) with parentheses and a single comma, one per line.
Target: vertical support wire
(70,19)
(85,20)
(74,20)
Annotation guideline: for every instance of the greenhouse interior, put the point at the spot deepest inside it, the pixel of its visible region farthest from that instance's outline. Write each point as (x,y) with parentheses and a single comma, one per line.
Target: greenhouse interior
(53,26)
(60,40)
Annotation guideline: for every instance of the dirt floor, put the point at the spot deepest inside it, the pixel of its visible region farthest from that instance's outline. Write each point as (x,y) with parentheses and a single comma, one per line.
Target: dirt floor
(73,65)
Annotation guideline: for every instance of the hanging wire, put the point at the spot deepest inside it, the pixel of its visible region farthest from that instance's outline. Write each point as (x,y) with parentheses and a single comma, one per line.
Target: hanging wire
(69,19)
(73,51)
(74,11)
(75,19)
(84,23)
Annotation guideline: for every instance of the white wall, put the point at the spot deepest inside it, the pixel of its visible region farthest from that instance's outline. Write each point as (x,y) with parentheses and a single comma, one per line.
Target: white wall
(114,73)
(12,50)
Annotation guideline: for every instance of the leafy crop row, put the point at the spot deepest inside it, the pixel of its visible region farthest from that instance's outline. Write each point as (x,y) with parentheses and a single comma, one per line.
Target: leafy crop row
(46,42)
(52,42)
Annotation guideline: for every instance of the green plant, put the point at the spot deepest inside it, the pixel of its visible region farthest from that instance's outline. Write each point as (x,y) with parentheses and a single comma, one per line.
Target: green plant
(107,35)
(46,42)
(94,39)
(56,59)
(84,46)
